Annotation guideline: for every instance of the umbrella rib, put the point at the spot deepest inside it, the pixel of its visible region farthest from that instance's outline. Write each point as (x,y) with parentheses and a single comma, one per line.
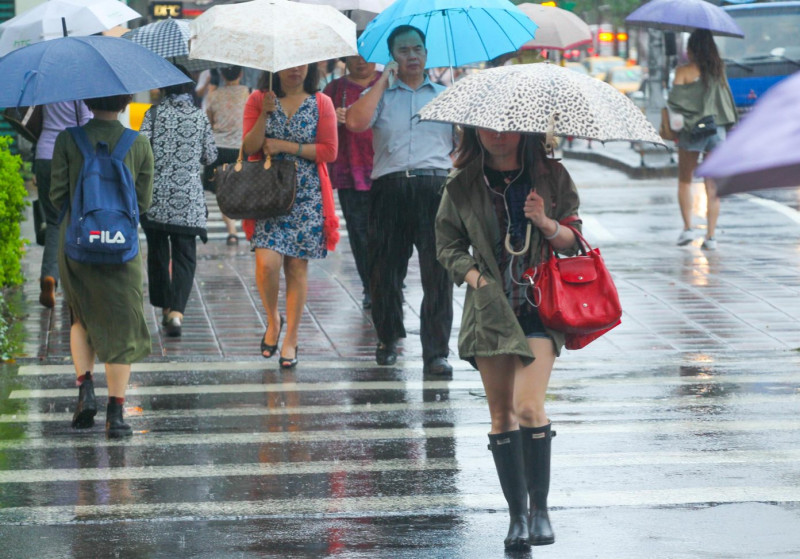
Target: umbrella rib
(475,27)
(502,28)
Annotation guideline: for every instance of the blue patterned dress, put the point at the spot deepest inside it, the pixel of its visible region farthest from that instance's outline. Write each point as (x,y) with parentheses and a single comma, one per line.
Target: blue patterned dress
(298,234)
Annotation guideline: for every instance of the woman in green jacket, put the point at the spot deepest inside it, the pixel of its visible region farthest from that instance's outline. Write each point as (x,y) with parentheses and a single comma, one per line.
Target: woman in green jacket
(504,182)
(105,300)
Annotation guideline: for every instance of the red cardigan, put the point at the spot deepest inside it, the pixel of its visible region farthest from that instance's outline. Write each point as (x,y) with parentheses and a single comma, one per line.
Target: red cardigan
(327,145)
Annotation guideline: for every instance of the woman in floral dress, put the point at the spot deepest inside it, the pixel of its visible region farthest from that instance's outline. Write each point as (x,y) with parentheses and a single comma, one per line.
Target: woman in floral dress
(292,122)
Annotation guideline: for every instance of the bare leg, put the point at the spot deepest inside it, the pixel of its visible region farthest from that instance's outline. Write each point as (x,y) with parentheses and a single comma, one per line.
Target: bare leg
(713,208)
(82,353)
(268,273)
(230,224)
(497,374)
(117,377)
(685,203)
(530,387)
(296,271)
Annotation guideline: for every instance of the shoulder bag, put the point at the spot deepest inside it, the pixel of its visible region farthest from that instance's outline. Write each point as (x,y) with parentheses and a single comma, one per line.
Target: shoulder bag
(575,295)
(256,189)
(26,121)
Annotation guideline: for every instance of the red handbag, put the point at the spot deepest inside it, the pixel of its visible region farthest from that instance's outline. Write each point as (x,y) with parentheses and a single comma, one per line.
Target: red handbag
(575,295)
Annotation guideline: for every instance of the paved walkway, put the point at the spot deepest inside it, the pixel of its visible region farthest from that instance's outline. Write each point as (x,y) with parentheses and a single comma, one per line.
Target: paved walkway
(677,432)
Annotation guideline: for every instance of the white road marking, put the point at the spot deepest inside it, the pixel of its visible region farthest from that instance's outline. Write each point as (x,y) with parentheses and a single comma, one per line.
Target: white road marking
(389,504)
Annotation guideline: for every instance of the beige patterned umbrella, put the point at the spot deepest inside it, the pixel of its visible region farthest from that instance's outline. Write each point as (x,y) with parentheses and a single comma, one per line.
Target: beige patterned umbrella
(271,34)
(541,98)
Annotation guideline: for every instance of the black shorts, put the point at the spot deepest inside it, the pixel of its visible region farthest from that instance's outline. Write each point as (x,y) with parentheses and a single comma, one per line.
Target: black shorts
(532,325)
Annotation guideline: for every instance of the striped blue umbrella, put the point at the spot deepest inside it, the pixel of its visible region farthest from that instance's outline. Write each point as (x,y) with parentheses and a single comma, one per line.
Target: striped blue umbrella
(458,32)
(169,38)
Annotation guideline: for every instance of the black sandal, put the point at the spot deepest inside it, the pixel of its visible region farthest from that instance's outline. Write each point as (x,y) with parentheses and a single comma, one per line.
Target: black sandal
(271,348)
(287,363)
(233,239)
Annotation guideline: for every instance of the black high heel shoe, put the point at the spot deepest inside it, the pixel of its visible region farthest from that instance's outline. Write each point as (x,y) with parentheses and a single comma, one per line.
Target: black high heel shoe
(271,348)
(287,363)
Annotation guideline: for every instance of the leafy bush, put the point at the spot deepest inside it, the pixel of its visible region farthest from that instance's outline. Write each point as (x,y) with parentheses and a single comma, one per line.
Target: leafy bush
(12,204)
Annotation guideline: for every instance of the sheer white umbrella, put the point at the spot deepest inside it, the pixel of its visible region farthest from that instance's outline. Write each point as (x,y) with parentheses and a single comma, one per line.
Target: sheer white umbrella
(360,11)
(60,18)
(272,35)
(558,29)
(541,98)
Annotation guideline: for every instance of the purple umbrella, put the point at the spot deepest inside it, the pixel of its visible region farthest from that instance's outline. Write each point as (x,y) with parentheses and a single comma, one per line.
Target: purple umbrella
(761,152)
(685,15)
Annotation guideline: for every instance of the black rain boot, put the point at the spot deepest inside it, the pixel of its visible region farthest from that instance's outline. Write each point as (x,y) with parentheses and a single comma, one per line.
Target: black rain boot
(536,445)
(83,418)
(507,451)
(115,426)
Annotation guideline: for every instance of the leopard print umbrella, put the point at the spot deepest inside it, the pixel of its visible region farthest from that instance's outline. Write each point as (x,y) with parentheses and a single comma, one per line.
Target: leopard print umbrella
(541,98)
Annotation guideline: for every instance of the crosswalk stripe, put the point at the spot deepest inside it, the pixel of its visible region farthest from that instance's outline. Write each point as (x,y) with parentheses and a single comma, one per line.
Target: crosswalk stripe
(409,385)
(408,504)
(573,460)
(147,439)
(554,408)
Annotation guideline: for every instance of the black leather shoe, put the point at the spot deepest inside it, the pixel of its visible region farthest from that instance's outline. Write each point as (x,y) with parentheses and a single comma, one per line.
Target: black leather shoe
(386,354)
(173,327)
(366,302)
(287,362)
(438,367)
(87,405)
(115,427)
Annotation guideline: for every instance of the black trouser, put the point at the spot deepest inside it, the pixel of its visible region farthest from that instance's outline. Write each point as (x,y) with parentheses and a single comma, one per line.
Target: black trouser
(355,208)
(51,214)
(402,215)
(165,292)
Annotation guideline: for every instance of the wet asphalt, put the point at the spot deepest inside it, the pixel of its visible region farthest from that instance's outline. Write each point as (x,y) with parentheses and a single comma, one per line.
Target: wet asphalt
(677,432)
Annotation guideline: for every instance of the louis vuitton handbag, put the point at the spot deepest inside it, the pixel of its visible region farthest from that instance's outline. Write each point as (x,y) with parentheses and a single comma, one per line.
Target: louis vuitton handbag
(256,189)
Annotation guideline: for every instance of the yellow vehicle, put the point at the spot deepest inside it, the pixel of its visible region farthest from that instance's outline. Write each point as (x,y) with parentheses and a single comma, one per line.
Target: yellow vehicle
(598,66)
(137,111)
(626,79)
(576,67)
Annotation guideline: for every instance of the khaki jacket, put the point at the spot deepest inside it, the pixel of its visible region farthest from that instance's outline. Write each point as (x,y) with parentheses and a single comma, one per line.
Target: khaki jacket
(467,231)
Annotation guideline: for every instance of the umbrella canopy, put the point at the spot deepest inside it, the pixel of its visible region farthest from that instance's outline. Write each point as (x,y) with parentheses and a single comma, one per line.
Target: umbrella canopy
(169,38)
(74,68)
(43,22)
(558,29)
(374,6)
(541,98)
(458,32)
(255,34)
(685,15)
(761,151)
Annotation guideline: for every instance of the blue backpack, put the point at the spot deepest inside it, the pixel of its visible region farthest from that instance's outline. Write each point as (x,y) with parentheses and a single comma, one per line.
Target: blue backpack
(104,217)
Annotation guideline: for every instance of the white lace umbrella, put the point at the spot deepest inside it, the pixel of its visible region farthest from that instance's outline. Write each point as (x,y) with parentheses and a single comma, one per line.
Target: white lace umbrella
(272,34)
(558,29)
(80,17)
(541,98)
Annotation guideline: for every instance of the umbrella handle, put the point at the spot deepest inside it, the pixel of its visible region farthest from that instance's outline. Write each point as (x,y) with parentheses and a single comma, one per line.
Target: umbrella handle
(526,246)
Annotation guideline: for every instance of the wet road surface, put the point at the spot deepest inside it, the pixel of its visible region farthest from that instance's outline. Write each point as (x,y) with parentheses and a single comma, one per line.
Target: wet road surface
(677,432)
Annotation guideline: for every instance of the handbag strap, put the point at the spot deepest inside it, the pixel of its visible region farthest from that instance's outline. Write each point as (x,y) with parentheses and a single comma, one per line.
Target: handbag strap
(240,159)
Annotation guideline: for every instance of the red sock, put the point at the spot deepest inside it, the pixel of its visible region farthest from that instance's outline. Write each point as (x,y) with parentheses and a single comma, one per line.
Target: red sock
(114,399)
(85,376)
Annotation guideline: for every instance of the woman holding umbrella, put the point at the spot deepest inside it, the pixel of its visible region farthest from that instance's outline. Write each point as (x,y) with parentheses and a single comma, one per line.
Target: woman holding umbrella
(292,121)
(504,181)
(701,94)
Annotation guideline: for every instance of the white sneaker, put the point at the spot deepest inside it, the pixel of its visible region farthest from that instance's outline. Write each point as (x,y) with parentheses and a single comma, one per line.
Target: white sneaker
(709,244)
(686,237)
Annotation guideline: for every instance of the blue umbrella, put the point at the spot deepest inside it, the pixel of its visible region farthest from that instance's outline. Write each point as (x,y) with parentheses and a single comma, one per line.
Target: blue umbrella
(458,32)
(761,151)
(685,15)
(72,68)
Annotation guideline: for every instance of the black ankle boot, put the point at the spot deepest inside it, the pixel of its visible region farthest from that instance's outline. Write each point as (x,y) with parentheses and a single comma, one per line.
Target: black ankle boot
(115,427)
(536,445)
(83,418)
(507,451)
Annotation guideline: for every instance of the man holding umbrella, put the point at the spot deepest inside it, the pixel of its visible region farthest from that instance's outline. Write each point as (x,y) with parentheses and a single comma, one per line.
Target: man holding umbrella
(412,160)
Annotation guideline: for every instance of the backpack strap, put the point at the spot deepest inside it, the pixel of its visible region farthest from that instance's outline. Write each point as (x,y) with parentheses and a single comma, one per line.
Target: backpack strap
(124,144)
(82,141)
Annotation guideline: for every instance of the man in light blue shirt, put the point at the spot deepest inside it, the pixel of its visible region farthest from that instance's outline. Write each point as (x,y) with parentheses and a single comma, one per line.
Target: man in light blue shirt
(412,160)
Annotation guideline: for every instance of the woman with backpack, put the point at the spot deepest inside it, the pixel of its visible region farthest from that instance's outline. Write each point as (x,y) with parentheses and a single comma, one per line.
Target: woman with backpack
(183,143)
(105,300)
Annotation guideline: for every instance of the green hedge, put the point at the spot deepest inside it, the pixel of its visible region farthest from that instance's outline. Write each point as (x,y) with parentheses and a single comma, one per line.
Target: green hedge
(12,206)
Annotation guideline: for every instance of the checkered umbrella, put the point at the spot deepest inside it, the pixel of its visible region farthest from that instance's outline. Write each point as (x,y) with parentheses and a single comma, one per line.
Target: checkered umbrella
(169,38)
